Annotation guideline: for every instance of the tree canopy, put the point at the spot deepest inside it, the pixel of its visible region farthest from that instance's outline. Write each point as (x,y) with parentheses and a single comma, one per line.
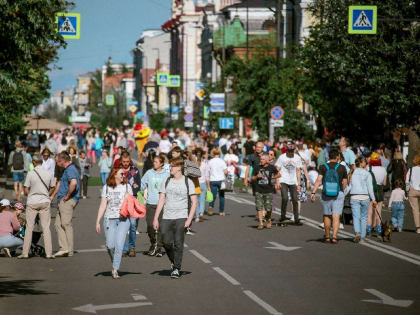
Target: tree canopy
(369,84)
(29,44)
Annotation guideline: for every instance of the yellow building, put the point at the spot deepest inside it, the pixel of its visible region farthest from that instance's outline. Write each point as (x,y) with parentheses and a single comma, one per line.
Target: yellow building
(81,95)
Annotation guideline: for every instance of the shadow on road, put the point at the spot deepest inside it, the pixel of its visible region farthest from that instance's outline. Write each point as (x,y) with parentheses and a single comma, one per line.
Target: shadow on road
(9,288)
(167,273)
(121,273)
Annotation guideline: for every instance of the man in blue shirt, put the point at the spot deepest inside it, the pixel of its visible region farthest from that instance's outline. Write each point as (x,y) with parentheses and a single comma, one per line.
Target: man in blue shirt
(67,198)
(349,156)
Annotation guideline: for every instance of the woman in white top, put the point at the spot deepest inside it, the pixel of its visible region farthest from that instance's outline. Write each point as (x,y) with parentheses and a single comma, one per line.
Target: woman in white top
(204,183)
(115,226)
(165,144)
(375,166)
(218,170)
(413,181)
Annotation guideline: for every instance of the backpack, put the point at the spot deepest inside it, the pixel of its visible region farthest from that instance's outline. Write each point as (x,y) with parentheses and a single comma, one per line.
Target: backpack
(374,184)
(188,190)
(223,148)
(18,162)
(331,181)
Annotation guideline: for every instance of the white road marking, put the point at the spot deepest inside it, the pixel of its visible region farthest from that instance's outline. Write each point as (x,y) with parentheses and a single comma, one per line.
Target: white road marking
(90,308)
(386,299)
(138,297)
(91,250)
(225,275)
(199,256)
(281,247)
(264,305)
(185,245)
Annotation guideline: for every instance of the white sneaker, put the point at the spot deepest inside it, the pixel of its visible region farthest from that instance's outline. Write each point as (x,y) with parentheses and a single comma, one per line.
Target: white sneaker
(61,253)
(341,226)
(292,218)
(137,232)
(6,252)
(321,225)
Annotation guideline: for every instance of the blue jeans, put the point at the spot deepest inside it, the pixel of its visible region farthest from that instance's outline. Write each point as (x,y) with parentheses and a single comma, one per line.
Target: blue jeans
(10,241)
(397,213)
(215,188)
(201,200)
(360,209)
(132,235)
(115,231)
(18,177)
(104,176)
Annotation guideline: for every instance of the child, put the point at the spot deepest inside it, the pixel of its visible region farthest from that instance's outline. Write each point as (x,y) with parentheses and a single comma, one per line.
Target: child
(396,204)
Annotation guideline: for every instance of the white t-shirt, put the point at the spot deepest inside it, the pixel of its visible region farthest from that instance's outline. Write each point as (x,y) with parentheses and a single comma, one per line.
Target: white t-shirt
(313,175)
(229,158)
(380,174)
(288,168)
(165,146)
(217,169)
(115,198)
(414,182)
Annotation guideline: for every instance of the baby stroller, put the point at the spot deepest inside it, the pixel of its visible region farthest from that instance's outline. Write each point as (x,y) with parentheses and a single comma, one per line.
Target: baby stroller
(35,249)
(347,217)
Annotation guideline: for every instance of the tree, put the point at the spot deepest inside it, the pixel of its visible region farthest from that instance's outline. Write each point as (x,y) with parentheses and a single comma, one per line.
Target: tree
(29,44)
(262,83)
(369,83)
(95,89)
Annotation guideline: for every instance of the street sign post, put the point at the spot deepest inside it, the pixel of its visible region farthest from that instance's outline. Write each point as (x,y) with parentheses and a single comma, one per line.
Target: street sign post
(133,102)
(68,25)
(133,108)
(362,19)
(226,123)
(188,124)
(188,109)
(162,78)
(174,80)
(188,117)
(206,112)
(273,124)
(277,112)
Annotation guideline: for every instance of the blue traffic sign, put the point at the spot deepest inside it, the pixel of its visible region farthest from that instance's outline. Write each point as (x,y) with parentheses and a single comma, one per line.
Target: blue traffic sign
(362,19)
(188,117)
(226,123)
(277,112)
(140,115)
(68,25)
(132,102)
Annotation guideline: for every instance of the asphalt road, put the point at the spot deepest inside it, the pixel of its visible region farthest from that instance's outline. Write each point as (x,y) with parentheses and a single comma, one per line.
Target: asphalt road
(229,267)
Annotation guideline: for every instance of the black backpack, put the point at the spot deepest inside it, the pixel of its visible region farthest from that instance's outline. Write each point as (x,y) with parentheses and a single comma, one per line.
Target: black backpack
(18,162)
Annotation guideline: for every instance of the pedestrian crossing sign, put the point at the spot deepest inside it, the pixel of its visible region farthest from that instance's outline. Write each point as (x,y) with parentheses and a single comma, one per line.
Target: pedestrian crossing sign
(362,19)
(68,25)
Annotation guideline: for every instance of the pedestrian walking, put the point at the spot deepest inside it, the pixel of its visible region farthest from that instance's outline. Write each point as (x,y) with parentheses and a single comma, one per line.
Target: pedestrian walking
(115,226)
(362,194)
(67,198)
(263,175)
(48,162)
(413,184)
(204,182)
(254,161)
(348,154)
(151,182)
(397,169)
(396,205)
(19,165)
(105,164)
(218,171)
(290,165)
(333,177)
(178,201)
(8,225)
(133,178)
(84,164)
(39,185)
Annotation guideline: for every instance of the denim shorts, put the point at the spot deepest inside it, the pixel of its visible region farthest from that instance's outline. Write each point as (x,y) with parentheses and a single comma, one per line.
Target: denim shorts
(18,177)
(333,206)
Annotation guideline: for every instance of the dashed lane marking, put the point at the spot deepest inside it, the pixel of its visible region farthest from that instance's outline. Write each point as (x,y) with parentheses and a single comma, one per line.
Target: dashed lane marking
(264,305)
(199,256)
(225,275)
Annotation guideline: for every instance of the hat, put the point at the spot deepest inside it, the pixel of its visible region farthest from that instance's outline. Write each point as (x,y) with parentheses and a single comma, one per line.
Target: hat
(19,205)
(5,202)
(374,156)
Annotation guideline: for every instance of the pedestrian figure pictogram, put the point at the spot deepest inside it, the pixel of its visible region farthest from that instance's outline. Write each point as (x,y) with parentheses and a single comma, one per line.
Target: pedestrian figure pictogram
(67,27)
(362,21)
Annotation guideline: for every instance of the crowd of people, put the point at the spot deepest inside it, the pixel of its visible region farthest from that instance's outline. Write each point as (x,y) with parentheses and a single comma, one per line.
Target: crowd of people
(181,178)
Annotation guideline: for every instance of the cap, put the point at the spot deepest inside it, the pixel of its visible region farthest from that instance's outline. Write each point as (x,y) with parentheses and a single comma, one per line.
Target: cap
(5,202)
(19,205)
(375,156)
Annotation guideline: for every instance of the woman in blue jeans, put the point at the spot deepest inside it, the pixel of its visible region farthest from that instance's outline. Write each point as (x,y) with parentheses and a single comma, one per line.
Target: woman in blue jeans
(203,181)
(115,226)
(218,170)
(361,191)
(105,164)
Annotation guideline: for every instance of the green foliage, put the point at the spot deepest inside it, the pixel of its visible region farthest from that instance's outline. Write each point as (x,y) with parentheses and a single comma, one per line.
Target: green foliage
(261,84)
(95,88)
(52,112)
(369,83)
(29,44)
(156,120)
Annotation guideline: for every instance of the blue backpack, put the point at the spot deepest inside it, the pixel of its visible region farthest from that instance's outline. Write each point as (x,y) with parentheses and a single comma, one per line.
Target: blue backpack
(331,181)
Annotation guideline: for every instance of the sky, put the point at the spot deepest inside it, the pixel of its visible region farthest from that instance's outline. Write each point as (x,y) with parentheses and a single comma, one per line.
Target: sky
(108,28)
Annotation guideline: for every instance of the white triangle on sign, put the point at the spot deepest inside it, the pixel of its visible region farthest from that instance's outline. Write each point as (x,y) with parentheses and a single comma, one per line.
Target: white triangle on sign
(362,20)
(67,27)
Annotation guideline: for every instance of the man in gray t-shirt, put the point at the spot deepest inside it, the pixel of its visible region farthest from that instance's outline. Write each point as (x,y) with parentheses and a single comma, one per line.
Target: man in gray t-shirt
(174,197)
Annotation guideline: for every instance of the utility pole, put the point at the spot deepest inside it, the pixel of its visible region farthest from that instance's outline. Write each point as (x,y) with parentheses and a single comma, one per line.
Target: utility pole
(279,6)
(247,30)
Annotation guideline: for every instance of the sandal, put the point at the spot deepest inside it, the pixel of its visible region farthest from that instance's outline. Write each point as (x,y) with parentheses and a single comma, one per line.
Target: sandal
(334,240)
(327,239)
